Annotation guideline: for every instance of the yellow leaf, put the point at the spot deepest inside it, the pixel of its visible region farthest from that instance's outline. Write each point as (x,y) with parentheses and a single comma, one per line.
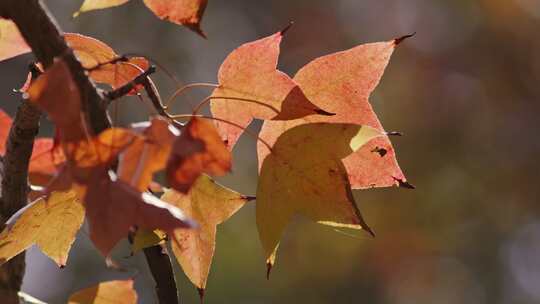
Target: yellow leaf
(11,42)
(50,224)
(90,5)
(209,204)
(304,174)
(113,292)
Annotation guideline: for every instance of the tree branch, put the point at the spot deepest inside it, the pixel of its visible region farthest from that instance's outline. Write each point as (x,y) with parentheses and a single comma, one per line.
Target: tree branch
(41,33)
(15,188)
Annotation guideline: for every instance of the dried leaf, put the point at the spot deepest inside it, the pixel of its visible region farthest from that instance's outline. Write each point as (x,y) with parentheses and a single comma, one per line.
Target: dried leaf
(341,83)
(209,204)
(185,12)
(113,207)
(304,175)
(250,73)
(11,42)
(113,292)
(199,149)
(50,223)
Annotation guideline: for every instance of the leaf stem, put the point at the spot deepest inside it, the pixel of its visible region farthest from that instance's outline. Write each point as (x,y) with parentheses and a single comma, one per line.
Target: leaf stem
(186,87)
(207,99)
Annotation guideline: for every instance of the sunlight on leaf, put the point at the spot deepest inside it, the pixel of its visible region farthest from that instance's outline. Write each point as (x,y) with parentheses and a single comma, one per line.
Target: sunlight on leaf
(113,292)
(304,174)
(11,42)
(199,149)
(210,204)
(341,83)
(50,223)
(249,72)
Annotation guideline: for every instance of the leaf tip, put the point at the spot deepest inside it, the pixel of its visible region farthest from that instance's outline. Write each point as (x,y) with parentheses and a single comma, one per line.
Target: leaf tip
(402,38)
(268,270)
(249,198)
(403,183)
(286,29)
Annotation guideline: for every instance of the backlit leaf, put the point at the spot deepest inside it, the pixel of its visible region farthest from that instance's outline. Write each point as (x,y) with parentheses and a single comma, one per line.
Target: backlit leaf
(209,204)
(199,149)
(147,154)
(11,42)
(93,53)
(250,73)
(304,174)
(50,223)
(341,83)
(113,207)
(55,93)
(185,12)
(113,292)
(90,5)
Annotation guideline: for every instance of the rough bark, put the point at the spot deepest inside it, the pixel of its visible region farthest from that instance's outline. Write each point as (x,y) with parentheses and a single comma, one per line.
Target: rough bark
(41,33)
(15,189)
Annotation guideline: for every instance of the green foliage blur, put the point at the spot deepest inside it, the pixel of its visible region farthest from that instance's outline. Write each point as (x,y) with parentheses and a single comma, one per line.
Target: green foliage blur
(465,92)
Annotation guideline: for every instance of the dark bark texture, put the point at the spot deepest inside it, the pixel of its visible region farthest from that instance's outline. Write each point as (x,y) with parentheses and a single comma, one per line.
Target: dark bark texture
(42,34)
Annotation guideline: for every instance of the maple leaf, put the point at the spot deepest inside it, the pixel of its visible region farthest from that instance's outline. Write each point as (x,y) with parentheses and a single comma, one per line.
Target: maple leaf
(113,292)
(45,161)
(341,83)
(256,89)
(54,85)
(199,149)
(50,223)
(113,207)
(11,42)
(90,5)
(94,55)
(210,204)
(304,174)
(147,154)
(184,12)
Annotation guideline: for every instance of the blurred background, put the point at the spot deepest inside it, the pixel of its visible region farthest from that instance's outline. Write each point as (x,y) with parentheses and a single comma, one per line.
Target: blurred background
(465,91)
